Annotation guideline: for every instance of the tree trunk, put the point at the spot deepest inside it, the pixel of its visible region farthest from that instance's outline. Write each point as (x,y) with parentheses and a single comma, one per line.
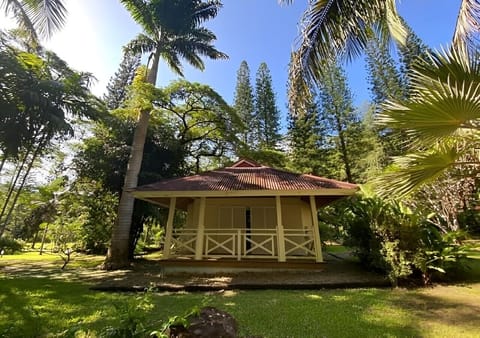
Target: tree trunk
(2,163)
(41,145)
(43,238)
(343,149)
(118,252)
(34,241)
(11,188)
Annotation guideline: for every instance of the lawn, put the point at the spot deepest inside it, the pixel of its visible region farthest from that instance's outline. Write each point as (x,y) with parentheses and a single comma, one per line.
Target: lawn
(54,307)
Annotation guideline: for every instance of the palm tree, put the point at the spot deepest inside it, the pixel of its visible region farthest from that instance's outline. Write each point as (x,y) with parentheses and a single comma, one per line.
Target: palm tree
(443,115)
(38,17)
(441,120)
(171,30)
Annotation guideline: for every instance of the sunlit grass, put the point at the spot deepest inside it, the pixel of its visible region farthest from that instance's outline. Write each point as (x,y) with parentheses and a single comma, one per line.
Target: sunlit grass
(33,306)
(36,306)
(77,260)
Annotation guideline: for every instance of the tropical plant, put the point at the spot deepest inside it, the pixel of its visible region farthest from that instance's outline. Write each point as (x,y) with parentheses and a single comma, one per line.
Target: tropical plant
(171,30)
(40,96)
(441,121)
(444,109)
(389,237)
(38,17)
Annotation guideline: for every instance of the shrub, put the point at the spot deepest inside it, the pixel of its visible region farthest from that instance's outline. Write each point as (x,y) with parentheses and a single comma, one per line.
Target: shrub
(390,238)
(9,245)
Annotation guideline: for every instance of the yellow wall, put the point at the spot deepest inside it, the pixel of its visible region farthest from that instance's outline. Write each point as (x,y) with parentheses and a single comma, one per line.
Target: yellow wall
(229,213)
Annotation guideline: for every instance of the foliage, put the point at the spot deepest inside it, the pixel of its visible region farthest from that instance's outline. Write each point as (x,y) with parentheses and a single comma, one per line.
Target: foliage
(40,97)
(439,123)
(391,238)
(117,87)
(342,128)
(203,124)
(130,317)
(266,118)
(10,246)
(243,102)
(37,17)
(383,76)
(307,144)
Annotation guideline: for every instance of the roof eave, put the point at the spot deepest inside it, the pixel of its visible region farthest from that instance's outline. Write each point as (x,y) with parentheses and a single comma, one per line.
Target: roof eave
(143,194)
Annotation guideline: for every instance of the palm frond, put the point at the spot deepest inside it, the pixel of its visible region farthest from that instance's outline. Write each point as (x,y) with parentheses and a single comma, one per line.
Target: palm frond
(172,60)
(341,28)
(467,29)
(48,16)
(414,170)
(20,14)
(206,11)
(142,13)
(142,44)
(445,102)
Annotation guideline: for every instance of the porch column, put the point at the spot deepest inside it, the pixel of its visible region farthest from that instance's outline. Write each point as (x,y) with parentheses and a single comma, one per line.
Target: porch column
(280,231)
(200,230)
(169,229)
(316,233)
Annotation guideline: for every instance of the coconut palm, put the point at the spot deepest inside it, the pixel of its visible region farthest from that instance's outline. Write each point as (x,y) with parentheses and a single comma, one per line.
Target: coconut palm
(172,30)
(442,117)
(38,17)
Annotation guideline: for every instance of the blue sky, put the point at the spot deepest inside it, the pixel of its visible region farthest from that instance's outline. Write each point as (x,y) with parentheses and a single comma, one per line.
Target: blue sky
(252,30)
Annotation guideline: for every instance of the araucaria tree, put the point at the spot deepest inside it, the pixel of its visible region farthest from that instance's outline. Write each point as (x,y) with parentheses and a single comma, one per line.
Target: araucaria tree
(266,115)
(243,101)
(171,30)
(338,114)
(117,87)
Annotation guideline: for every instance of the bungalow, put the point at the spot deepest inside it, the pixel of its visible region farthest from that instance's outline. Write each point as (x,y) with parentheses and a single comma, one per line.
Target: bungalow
(245,211)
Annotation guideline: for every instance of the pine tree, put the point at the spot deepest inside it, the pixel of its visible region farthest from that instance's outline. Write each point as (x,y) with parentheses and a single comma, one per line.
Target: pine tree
(117,87)
(409,53)
(383,76)
(243,101)
(306,142)
(306,135)
(340,120)
(266,116)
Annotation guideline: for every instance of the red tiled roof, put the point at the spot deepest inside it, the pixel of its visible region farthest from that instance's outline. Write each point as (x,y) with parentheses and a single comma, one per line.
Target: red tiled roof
(246,175)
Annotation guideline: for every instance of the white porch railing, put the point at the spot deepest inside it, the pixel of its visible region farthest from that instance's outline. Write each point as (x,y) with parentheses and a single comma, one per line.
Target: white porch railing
(242,243)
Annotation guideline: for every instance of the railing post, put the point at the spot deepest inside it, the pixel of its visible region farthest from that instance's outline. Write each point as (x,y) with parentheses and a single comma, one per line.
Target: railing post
(280,231)
(200,230)
(239,244)
(316,233)
(169,228)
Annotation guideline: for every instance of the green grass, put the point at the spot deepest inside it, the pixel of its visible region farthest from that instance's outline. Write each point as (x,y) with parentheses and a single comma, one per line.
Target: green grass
(50,306)
(77,260)
(33,307)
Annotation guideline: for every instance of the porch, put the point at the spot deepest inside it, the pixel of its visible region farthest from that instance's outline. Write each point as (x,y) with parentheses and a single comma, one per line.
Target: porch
(243,212)
(230,228)
(241,244)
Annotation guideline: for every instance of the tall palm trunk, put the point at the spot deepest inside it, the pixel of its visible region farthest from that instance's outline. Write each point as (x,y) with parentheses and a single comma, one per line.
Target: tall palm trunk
(118,252)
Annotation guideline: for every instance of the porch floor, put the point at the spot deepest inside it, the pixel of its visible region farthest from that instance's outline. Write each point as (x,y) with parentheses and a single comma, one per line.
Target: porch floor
(186,264)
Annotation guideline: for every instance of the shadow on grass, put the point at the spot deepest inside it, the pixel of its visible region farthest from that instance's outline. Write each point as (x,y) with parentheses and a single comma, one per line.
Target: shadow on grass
(34,307)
